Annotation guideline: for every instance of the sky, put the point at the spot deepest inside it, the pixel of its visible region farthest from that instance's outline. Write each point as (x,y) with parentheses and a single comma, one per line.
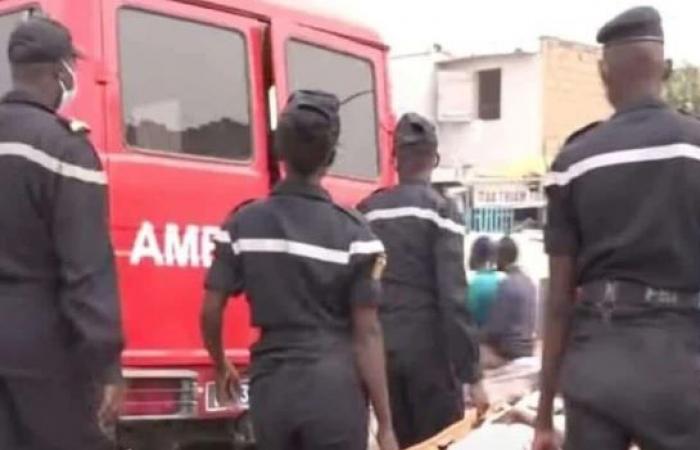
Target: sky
(465,27)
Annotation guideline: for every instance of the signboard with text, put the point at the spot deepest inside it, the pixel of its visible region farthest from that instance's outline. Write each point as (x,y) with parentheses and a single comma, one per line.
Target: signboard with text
(506,195)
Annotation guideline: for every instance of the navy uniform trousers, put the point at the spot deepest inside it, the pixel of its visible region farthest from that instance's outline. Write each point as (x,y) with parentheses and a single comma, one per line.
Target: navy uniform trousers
(426,397)
(633,378)
(314,403)
(48,414)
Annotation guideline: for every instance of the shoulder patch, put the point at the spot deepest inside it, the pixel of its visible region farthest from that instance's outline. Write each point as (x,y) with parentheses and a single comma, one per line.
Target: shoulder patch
(78,126)
(74,126)
(379,266)
(581,131)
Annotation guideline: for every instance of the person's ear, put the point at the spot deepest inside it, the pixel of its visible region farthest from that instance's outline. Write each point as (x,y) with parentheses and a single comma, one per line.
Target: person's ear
(437,160)
(603,71)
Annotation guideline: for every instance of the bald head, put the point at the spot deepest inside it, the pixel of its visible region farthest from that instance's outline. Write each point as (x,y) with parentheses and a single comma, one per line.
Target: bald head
(632,71)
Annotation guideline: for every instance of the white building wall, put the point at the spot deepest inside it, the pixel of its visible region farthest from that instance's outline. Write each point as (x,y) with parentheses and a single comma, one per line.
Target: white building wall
(413,83)
(496,145)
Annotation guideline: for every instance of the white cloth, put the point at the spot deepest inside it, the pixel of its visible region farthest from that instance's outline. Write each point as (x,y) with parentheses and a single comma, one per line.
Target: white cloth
(497,436)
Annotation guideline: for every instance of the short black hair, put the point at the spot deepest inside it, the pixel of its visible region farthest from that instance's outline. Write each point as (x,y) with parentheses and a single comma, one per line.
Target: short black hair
(305,140)
(482,253)
(507,251)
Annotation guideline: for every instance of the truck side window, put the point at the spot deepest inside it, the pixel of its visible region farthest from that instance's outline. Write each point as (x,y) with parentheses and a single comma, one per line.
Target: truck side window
(8,22)
(184,86)
(351,79)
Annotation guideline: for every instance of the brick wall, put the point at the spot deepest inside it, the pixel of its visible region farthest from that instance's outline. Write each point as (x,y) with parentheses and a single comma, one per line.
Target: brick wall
(573,94)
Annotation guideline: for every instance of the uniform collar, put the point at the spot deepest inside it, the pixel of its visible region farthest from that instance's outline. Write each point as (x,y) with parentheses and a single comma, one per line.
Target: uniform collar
(20,96)
(645,103)
(299,188)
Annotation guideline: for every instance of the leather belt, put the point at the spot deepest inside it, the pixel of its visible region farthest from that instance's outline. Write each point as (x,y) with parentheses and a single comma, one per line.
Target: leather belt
(607,296)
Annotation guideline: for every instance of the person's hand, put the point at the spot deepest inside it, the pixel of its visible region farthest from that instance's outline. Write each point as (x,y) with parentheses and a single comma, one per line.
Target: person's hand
(545,439)
(110,405)
(386,438)
(228,383)
(480,398)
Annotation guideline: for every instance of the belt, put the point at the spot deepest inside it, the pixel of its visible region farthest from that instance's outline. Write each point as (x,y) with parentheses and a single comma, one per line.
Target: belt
(606,296)
(319,338)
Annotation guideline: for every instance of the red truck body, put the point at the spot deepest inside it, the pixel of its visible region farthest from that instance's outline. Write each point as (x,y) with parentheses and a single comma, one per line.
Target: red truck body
(180,97)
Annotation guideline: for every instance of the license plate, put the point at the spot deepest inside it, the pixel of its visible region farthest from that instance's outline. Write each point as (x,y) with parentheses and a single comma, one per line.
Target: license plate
(213,405)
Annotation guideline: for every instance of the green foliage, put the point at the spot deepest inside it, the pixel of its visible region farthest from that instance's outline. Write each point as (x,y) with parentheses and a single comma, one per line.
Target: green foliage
(683,89)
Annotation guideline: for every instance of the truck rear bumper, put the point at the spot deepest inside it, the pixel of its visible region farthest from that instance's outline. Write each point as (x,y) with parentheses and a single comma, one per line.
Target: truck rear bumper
(167,409)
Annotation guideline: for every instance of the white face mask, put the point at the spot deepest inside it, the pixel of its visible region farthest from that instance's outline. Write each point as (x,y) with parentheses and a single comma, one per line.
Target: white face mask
(68,95)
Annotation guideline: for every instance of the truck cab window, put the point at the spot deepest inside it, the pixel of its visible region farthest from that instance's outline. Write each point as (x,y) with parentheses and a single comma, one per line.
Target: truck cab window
(351,79)
(184,86)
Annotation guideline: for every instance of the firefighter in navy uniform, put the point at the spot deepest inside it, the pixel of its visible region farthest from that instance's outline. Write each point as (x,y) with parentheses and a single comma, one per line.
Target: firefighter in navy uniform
(60,329)
(429,357)
(310,270)
(624,231)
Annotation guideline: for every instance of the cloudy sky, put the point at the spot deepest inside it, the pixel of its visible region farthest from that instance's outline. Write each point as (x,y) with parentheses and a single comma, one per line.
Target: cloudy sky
(475,26)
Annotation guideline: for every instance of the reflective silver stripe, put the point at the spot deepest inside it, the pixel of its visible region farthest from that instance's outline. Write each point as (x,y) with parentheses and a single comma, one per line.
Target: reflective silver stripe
(419,213)
(584,166)
(52,164)
(366,247)
(306,250)
(222,237)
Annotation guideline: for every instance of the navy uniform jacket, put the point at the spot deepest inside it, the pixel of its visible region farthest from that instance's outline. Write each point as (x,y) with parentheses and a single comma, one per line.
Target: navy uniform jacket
(624,199)
(58,296)
(304,263)
(424,239)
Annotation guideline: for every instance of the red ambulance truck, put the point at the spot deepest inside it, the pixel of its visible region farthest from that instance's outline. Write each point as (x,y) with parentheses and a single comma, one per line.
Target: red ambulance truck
(181,97)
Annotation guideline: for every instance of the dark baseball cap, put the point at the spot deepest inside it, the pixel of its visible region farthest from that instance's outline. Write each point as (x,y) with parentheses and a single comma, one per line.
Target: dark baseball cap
(321,103)
(415,132)
(642,23)
(41,40)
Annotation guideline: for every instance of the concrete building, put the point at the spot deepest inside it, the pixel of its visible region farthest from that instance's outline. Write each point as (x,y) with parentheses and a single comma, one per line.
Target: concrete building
(573,94)
(413,81)
(489,109)
(503,114)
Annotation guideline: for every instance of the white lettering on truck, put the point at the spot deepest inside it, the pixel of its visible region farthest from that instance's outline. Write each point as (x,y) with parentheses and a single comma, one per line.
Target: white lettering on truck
(146,246)
(180,250)
(181,246)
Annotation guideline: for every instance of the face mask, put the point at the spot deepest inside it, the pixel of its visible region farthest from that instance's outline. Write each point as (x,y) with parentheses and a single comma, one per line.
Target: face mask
(68,95)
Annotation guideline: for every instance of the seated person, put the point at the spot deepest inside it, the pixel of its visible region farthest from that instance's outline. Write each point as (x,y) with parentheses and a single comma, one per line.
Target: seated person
(483,280)
(508,333)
